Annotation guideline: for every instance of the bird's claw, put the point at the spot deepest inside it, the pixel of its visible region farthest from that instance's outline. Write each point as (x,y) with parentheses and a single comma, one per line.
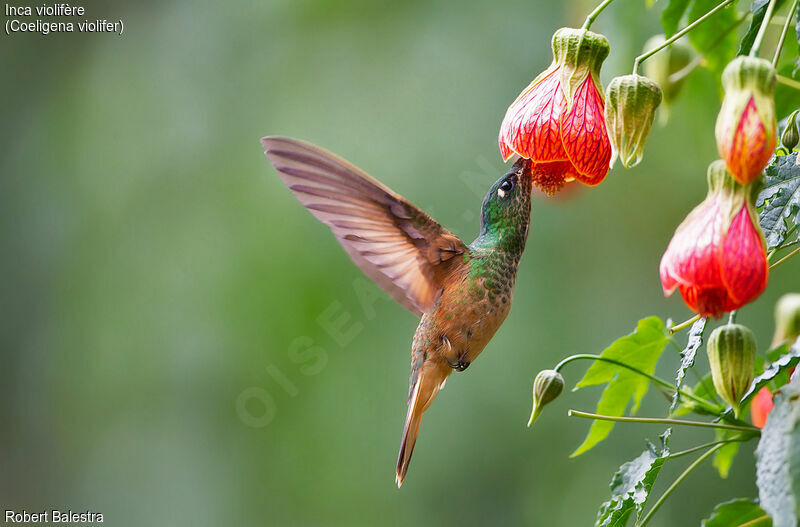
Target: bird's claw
(460,365)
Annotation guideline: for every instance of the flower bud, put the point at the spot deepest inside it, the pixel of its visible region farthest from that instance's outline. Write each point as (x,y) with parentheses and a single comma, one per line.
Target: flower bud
(631,102)
(546,387)
(746,125)
(790,136)
(731,354)
(787,319)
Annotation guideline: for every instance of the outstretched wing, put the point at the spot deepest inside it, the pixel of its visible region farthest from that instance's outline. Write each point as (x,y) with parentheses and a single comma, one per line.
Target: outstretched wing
(397,245)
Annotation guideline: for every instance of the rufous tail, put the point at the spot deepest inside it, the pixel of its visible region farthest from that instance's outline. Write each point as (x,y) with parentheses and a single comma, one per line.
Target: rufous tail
(426,385)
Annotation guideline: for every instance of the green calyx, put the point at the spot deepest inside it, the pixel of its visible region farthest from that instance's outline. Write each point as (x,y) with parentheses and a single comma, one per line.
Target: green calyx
(750,73)
(731,354)
(631,102)
(729,193)
(579,53)
(546,387)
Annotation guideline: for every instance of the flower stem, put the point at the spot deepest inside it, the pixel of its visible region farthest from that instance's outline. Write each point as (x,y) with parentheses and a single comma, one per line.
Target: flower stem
(677,482)
(683,325)
(763,29)
(785,30)
(699,59)
(658,420)
(644,56)
(776,264)
(737,439)
(707,405)
(597,10)
(788,82)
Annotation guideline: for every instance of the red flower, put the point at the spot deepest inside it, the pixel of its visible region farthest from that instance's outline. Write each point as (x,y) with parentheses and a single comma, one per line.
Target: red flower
(716,258)
(558,120)
(760,407)
(746,125)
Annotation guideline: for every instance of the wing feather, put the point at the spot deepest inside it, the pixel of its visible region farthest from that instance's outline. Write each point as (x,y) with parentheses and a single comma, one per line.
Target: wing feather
(397,245)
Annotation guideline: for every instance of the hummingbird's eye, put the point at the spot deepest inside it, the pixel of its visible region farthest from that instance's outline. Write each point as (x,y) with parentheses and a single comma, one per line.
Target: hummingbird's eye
(505,187)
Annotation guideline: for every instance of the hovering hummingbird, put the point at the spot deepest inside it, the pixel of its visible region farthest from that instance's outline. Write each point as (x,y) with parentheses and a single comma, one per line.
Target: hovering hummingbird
(462,292)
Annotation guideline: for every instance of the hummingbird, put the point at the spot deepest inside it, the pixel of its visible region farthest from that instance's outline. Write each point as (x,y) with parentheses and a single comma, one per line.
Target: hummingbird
(462,293)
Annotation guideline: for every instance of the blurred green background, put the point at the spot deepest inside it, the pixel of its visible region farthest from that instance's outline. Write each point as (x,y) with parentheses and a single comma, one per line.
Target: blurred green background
(160,285)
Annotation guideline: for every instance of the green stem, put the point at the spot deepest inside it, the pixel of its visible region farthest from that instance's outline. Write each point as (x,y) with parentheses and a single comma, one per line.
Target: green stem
(595,13)
(732,317)
(786,81)
(685,324)
(677,482)
(707,405)
(686,70)
(737,439)
(776,264)
(763,29)
(644,56)
(658,420)
(785,30)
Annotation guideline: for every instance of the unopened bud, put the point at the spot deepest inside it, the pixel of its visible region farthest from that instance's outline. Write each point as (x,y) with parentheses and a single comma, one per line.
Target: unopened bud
(731,354)
(745,128)
(790,137)
(787,319)
(546,387)
(631,102)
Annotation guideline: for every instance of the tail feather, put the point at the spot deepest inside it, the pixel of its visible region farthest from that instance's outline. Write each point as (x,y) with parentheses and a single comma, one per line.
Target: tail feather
(427,384)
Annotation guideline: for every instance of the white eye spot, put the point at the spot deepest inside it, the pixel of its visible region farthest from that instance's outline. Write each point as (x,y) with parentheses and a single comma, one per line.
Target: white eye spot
(501,193)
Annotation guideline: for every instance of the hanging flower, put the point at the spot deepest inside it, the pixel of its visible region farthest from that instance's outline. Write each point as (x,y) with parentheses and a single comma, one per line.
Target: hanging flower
(717,257)
(557,121)
(746,124)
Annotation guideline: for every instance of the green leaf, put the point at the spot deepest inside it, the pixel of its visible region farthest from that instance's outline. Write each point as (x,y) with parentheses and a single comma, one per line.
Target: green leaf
(641,349)
(723,458)
(778,458)
(688,353)
(758,8)
(788,359)
(714,38)
(631,485)
(736,513)
(779,201)
(671,16)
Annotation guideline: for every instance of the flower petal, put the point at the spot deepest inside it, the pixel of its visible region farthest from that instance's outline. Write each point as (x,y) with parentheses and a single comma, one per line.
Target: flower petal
(744,266)
(750,148)
(691,264)
(531,125)
(584,135)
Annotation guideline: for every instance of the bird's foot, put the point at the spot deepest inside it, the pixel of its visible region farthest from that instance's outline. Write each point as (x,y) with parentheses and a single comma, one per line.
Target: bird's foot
(460,365)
